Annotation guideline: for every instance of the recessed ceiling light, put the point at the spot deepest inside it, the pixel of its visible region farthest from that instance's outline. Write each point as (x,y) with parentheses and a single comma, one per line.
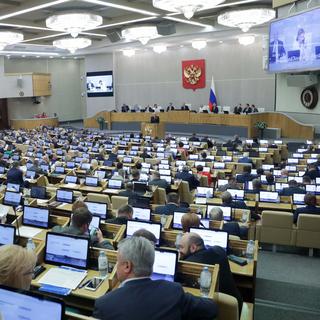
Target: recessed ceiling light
(63,57)
(220,41)
(23,56)
(51,57)
(181,45)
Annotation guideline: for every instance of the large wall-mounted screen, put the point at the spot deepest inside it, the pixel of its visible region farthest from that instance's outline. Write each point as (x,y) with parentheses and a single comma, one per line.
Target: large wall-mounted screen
(294,44)
(100,84)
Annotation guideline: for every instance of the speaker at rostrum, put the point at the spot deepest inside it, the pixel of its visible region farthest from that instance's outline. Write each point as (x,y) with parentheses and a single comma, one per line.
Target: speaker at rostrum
(166,28)
(114,36)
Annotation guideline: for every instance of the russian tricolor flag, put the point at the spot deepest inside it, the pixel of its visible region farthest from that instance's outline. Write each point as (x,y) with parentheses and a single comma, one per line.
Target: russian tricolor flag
(213,98)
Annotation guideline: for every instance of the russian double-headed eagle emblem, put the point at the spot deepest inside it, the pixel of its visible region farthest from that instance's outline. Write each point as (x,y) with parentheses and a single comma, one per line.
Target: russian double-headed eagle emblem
(192,74)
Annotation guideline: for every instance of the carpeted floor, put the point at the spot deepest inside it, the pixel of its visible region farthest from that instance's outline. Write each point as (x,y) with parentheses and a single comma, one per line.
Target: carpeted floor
(288,287)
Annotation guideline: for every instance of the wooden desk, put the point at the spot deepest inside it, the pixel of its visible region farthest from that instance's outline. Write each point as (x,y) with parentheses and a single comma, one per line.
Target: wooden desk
(33,123)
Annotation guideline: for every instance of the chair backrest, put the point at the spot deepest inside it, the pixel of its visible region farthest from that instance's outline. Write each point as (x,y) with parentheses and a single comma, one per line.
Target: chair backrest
(277,219)
(203,181)
(227,305)
(309,222)
(161,196)
(42,181)
(118,202)
(96,197)
(184,192)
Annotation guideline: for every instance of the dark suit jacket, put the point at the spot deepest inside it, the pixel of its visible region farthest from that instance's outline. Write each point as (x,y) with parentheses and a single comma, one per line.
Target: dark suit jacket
(307,210)
(291,190)
(190,178)
(15,175)
(245,177)
(169,209)
(281,51)
(117,220)
(217,255)
(245,160)
(161,183)
(154,119)
(144,299)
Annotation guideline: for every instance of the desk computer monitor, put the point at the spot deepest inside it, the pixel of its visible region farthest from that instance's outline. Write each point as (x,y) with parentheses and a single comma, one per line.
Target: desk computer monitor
(167,178)
(12,198)
(165,172)
(133,226)
(38,192)
(140,187)
(225,210)
(213,237)
(36,217)
(177,216)
(45,167)
(85,166)
(219,165)
(222,182)
(298,198)
(115,184)
(165,265)
(100,174)
(64,196)
(280,186)
(71,179)
(70,164)
(204,192)
(59,170)
(91,181)
(14,187)
(30,174)
(236,194)
(69,250)
(7,234)
(98,209)
(269,196)
(18,304)
(141,213)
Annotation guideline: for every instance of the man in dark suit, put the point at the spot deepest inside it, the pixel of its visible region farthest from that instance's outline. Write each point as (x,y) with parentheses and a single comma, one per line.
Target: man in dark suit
(172,205)
(154,118)
(194,138)
(293,188)
(124,214)
(157,181)
(15,175)
(246,175)
(132,196)
(162,300)
(311,201)
(276,49)
(192,249)
(189,177)
(237,109)
(227,201)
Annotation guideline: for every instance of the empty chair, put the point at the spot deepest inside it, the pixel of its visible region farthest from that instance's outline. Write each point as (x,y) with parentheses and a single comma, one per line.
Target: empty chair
(228,306)
(118,201)
(185,193)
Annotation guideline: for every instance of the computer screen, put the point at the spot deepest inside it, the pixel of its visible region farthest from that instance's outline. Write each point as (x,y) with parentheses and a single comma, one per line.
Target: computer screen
(91,181)
(226,212)
(165,265)
(269,196)
(222,182)
(14,187)
(71,179)
(177,219)
(12,198)
(45,167)
(71,164)
(85,166)
(95,222)
(141,214)
(66,250)
(101,174)
(219,165)
(64,196)
(298,198)
(38,192)
(30,174)
(100,84)
(236,194)
(281,186)
(140,187)
(7,235)
(115,184)
(24,305)
(204,192)
(213,237)
(59,170)
(133,226)
(37,217)
(98,209)
(165,172)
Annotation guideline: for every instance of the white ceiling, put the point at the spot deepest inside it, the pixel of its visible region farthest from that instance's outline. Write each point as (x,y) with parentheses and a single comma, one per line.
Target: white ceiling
(28,17)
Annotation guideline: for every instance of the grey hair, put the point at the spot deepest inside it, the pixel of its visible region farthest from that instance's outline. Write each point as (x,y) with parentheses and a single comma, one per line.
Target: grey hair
(140,252)
(216,213)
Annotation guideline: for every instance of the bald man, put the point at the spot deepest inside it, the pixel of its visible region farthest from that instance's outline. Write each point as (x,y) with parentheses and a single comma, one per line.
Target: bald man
(192,249)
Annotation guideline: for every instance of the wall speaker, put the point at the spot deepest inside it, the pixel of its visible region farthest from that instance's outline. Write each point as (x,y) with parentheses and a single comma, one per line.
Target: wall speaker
(302,80)
(114,36)
(166,28)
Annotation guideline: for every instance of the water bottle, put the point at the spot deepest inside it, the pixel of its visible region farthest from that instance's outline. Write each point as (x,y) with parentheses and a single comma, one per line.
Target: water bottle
(208,195)
(244,217)
(205,282)
(178,240)
(30,245)
(250,251)
(103,264)
(163,220)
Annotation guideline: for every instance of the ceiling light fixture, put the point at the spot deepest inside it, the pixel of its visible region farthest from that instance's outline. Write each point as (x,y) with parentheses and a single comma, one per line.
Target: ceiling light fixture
(199,44)
(160,48)
(72,44)
(246,40)
(142,33)
(74,22)
(8,37)
(187,7)
(246,19)
(129,52)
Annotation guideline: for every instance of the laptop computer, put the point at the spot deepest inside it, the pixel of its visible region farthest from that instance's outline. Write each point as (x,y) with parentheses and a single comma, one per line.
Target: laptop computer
(58,170)
(219,165)
(281,186)
(38,192)
(141,214)
(85,166)
(91,181)
(30,174)
(115,184)
(227,212)
(204,192)
(98,209)
(134,225)
(14,187)
(71,179)
(269,196)
(65,196)
(18,304)
(165,265)
(12,198)
(36,217)
(298,198)
(213,237)
(140,187)
(65,249)
(236,194)
(7,234)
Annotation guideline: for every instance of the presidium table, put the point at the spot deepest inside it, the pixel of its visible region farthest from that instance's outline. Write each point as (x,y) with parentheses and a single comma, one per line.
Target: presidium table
(204,123)
(33,123)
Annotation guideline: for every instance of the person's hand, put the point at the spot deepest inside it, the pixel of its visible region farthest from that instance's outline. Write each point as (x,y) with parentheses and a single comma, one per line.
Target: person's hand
(99,235)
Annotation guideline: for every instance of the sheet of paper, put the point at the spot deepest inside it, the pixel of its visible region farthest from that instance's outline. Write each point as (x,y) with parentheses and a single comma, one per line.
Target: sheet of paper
(4,210)
(42,201)
(72,185)
(63,277)
(28,232)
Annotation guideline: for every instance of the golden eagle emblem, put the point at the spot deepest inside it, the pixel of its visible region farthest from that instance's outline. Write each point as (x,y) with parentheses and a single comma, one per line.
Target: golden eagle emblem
(192,74)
